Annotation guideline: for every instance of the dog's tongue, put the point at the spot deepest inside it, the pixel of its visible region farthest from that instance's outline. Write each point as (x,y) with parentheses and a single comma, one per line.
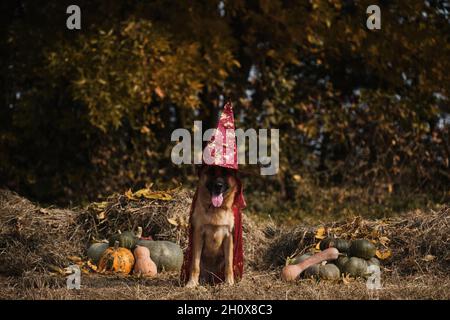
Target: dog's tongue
(217,200)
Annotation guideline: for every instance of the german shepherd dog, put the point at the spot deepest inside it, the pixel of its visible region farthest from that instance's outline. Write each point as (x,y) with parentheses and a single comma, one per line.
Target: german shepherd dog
(212,226)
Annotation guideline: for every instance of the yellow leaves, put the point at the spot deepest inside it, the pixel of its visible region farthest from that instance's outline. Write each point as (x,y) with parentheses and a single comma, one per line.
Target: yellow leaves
(101,208)
(383,254)
(178,222)
(320,233)
(297,178)
(317,247)
(55,269)
(346,279)
(91,266)
(148,194)
(172,221)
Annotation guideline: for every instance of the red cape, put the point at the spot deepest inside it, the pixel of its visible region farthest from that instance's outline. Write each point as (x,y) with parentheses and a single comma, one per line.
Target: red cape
(238,254)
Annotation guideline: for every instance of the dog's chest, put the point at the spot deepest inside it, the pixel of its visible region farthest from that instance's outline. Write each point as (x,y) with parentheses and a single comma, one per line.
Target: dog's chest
(214,217)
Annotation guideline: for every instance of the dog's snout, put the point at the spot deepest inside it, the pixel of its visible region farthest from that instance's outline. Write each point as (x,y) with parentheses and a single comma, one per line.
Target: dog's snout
(219,185)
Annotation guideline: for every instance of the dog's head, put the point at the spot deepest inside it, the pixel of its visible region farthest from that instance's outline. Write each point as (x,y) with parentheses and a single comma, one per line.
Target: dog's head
(219,182)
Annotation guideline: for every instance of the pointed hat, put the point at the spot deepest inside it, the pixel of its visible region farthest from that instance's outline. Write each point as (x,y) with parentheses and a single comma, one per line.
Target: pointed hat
(221,149)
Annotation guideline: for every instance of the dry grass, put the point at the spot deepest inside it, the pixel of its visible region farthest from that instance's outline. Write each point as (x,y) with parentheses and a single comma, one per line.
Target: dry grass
(32,238)
(255,285)
(100,220)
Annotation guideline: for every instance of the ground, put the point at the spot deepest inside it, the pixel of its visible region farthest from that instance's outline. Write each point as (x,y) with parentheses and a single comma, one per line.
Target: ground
(34,242)
(255,285)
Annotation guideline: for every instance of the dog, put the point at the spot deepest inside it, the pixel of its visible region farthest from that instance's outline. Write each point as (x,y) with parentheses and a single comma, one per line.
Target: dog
(212,223)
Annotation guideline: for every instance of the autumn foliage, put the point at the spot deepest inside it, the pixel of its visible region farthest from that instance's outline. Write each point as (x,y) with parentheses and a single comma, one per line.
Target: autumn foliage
(362,114)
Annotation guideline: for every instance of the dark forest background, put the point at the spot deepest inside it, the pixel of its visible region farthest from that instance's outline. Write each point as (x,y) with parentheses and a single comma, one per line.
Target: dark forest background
(363,115)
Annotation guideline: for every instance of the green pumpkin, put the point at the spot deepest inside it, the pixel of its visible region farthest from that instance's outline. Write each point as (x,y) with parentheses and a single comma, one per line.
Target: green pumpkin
(340,244)
(340,262)
(312,271)
(329,272)
(373,261)
(167,255)
(126,239)
(362,248)
(298,258)
(355,267)
(325,243)
(96,251)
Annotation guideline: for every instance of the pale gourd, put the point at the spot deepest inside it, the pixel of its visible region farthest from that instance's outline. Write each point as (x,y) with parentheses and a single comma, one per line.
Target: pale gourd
(144,265)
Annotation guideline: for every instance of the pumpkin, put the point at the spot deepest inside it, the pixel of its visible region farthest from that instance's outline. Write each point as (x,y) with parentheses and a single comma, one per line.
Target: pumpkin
(312,271)
(167,255)
(362,248)
(116,259)
(355,267)
(298,258)
(126,239)
(373,261)
(144,265)
(96,250)
(291,272)
(340,262)
(340,244)
(329,272)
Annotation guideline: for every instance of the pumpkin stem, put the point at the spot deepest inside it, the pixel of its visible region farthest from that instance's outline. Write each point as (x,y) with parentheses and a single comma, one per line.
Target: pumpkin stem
(139,232)
(116,245)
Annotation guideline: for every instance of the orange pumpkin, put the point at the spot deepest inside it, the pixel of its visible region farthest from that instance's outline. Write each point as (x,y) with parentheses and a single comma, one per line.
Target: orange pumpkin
(144,265)
(117,260)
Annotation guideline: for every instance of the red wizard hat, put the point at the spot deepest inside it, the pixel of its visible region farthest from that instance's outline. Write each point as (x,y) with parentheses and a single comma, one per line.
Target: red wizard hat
(221,151)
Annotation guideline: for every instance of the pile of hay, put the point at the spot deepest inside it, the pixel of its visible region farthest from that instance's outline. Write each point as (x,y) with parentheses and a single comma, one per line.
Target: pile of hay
(161,219)
(34,238)
(419,241)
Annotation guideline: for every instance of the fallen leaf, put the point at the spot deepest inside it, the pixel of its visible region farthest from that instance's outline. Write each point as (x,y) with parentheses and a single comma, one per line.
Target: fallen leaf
(91,265)
(149,194)
(129,195)
(384,254)
(100,206)
(101,215)
(172,221)
(320,233)
(55,269)
(346,279)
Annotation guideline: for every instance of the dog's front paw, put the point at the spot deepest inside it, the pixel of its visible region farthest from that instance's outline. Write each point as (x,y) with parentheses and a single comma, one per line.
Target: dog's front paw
(229,281)
(191,284)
